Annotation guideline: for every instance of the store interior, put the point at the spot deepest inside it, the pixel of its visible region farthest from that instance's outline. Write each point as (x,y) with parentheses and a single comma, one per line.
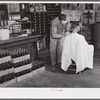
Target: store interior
(25,40)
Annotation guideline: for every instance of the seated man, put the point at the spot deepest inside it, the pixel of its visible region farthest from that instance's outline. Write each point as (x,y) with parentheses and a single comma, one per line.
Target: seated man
(77,49)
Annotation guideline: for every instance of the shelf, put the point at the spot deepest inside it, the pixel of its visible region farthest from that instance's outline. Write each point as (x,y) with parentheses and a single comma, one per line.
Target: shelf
(23,22)
(39,12)
(55,11)
(14,13)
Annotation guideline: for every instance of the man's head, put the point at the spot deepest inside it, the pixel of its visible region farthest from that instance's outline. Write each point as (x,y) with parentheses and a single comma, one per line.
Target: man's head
(63,19)
(75,26)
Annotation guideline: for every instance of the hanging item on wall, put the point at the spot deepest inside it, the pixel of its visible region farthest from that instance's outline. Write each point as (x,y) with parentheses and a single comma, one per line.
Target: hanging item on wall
(88,6)
(97,16)
(72,14)
(89,17)
(75,7)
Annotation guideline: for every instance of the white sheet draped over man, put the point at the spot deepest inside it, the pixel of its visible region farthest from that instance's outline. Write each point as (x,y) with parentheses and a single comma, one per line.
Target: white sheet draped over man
(77,49)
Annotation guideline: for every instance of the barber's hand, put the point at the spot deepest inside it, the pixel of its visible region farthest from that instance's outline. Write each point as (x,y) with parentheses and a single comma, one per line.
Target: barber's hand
(67,33)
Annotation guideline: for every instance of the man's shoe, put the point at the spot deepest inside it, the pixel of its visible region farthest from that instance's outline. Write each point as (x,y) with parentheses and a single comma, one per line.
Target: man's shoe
(58,65)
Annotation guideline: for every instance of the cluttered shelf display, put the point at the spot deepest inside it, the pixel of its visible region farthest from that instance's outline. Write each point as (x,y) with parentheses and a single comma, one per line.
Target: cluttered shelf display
(17,55)
(35,16)
(16,27)
(37,13)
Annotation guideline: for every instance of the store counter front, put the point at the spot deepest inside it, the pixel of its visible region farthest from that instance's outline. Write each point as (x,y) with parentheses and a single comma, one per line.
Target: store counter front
(26,42)
(19,59)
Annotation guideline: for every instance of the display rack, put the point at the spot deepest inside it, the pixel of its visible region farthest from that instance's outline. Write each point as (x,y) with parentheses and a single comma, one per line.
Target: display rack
(22,29)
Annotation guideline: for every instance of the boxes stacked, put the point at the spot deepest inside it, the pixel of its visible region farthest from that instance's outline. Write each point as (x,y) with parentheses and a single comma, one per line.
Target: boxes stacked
(37,67)
(15,65)
(22,64)
(53,7)
(6,69)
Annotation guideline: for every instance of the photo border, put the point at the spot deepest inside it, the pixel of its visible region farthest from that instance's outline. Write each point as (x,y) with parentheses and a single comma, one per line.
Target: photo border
(49,93)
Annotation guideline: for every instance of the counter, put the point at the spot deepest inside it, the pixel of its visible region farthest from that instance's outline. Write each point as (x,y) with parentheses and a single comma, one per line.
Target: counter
(29,42)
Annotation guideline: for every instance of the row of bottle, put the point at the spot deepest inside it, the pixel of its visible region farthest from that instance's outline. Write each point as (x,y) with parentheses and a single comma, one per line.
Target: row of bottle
(37,64)
(3,24)
(25,62)
(6,78)
(18,52)
(22,72)
(6,65)
(14,53)
(4,53)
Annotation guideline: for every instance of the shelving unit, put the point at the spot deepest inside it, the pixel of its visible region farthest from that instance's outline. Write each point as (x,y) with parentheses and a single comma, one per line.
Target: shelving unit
(88,20)
(21,30)
(14,14)
(53,11)
(3,15)
(40,22)
(87,33)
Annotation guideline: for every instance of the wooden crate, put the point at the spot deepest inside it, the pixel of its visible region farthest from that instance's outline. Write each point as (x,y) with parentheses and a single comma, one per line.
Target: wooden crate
(24,67)
(5,72)
(21,58)
(8,83)
(25,76)
(5,59)
(38,70)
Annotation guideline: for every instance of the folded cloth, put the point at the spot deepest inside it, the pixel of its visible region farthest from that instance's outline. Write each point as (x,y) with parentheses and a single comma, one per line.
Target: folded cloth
(22,20)
(76,48)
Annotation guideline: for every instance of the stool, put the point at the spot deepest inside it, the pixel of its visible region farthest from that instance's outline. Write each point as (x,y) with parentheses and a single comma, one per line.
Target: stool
(72,67)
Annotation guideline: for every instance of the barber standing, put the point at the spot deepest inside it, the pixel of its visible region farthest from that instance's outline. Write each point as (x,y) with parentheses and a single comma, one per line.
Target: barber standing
(59,27)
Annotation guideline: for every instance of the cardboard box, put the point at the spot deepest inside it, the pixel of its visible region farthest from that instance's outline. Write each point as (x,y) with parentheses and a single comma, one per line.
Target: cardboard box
(8,83)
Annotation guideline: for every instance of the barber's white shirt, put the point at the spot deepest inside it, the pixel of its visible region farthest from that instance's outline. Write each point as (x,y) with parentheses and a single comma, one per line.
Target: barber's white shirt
(76,48)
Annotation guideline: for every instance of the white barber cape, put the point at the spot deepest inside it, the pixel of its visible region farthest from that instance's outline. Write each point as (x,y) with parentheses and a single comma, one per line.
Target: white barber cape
(76,48)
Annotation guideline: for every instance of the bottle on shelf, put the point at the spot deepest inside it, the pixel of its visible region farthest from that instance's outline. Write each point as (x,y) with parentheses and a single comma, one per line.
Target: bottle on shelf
(12,54)
(17,53)
(1,80)
(1,54)
(20,63)
(28,61)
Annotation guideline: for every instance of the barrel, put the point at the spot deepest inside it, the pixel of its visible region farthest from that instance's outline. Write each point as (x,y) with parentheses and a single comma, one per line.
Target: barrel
(96,35)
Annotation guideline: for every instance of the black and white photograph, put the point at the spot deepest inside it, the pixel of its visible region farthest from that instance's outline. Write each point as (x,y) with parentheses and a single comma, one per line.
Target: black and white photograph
(49,45)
